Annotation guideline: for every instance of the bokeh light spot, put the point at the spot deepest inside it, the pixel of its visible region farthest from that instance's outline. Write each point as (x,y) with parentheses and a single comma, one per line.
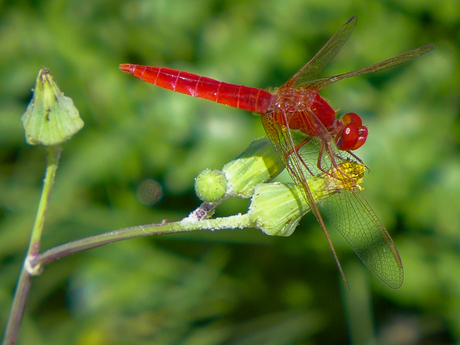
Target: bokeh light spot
(149,192)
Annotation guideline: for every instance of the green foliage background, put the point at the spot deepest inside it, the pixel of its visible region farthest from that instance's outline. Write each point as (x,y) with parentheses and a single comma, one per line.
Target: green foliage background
(233,287)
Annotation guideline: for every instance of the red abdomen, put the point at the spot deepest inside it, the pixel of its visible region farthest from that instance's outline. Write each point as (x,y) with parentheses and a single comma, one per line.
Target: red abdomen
(238,96)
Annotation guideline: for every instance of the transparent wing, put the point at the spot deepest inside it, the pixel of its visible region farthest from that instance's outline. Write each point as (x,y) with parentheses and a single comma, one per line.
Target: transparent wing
(327,53)
(390,63)
(357,222)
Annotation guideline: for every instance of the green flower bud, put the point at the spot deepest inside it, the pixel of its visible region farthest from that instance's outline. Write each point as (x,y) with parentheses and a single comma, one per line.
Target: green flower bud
(211,185)
(258,163)
(277,208)
(51,118)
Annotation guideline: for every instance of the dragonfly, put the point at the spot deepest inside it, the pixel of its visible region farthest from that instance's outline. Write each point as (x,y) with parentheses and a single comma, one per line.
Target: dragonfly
(310,138)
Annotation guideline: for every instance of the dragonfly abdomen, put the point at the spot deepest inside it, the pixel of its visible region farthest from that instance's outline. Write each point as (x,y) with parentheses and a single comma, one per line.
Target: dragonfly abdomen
(237,96)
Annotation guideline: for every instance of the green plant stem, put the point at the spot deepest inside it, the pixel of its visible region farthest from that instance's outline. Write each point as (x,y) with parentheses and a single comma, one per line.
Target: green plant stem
(25,278)
(54,153)
(232,222)
(17,308)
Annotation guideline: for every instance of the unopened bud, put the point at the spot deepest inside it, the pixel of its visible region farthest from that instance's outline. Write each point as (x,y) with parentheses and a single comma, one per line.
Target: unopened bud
(211,185)
(51,118)
(258,163)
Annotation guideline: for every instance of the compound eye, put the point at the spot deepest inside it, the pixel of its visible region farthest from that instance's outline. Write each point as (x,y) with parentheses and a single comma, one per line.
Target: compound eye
(346,140)
(352,118)
(351,137)
(363,132)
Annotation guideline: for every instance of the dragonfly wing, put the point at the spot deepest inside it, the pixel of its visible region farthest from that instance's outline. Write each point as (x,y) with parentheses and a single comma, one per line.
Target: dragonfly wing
(357,222)
(327,53)
(390,63)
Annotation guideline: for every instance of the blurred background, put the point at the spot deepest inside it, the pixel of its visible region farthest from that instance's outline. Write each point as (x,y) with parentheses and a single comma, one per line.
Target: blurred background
(227,287)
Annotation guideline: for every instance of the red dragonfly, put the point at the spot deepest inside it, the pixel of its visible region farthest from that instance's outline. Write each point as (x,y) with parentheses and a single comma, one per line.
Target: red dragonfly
(310,139)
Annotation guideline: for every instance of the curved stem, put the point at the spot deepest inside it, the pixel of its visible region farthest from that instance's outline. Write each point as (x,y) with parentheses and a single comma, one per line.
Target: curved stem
(232,222)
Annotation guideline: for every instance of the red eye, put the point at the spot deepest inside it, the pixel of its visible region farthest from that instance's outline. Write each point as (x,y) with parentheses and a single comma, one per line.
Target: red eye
(347,138)
(363,132)
(353,135)
(352,118)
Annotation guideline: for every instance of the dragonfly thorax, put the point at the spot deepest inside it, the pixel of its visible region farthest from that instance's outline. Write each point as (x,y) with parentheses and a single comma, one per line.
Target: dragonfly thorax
(307,111)
(303,109)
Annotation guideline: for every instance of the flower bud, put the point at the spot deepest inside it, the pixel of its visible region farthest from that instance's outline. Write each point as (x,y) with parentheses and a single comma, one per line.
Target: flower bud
(51,118)
(277,208)
(211,185)
(258,163)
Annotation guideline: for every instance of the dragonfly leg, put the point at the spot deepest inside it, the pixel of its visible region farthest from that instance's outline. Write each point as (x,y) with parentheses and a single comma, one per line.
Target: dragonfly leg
(296,151)
(334,157)
(358,159)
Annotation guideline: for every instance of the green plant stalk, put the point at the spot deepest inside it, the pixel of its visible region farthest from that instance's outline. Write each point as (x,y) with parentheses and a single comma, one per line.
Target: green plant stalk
(28,270)
(54,153)
(232,222)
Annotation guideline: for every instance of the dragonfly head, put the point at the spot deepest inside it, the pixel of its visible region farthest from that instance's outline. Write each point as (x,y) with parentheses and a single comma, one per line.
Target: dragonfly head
(353,134)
